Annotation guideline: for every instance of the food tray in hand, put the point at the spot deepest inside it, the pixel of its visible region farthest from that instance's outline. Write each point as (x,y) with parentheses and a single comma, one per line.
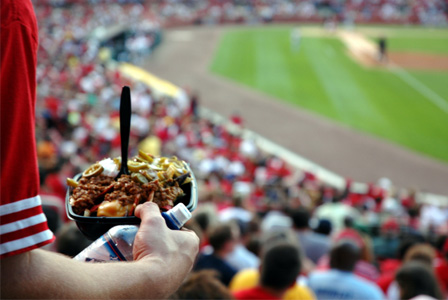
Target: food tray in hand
(93,226)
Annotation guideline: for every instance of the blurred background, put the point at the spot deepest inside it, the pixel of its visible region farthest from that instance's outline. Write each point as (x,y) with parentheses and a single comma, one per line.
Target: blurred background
(275,104)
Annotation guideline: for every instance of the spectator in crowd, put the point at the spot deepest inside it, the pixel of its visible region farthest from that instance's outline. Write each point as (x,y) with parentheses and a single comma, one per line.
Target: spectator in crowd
(328,12)
(163,259)
(315,245)
(340,282)
(385,246)
(241,258)
(276,218)
(236,211)
(421,252)
(417,279)
(250,278)
(389,267)
(202,219)
(323,226)
(75,79)
(222,238)
(236,118)
(441,264)
(336,211)
(203,284)
(364,266)
(279,269)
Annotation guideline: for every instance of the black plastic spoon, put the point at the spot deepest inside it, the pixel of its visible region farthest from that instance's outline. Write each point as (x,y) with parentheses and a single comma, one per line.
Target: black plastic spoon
(125,128)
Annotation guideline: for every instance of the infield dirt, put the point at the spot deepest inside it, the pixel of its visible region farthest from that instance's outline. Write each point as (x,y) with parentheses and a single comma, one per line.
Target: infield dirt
(365,52)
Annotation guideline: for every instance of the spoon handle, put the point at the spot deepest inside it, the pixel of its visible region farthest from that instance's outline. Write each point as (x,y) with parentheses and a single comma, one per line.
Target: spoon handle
(125,126)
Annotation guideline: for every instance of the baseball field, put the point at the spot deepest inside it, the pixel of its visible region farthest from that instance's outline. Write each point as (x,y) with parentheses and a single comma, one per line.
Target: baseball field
(338,75)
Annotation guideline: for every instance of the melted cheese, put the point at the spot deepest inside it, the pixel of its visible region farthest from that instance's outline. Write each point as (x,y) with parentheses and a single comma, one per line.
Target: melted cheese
(112,209)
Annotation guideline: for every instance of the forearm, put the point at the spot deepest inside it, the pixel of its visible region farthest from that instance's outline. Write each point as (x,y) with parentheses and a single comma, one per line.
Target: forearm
(162,261)
(43,274)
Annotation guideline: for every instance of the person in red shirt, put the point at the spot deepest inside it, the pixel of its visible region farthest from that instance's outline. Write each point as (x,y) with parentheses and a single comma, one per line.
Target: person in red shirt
(390,266)
(161,261)
(23,223)
(236,118)
(279,269)
(441,267)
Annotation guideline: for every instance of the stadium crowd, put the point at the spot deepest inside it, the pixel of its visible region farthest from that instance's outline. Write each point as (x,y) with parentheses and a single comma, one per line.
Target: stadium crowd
(249,11)
(267,230)
(180,12)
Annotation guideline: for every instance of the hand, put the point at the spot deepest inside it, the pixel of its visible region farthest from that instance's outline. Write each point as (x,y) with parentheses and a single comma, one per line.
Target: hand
(163,258)
(176,250)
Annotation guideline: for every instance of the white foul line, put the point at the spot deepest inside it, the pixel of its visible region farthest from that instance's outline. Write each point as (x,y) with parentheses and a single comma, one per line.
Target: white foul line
(358,45)
(421,88)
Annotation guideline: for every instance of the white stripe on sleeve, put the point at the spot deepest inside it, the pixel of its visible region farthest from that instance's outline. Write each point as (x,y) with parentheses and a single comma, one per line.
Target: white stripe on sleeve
(20,205)
(21,224)
(26,242)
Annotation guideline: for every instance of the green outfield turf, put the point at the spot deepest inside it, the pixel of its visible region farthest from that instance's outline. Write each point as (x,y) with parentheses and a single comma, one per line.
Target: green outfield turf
(404,39)
(407,107)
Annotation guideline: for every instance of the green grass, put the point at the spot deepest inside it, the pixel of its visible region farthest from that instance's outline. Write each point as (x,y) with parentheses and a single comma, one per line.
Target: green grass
(320,77)
(410,39)
(427,45)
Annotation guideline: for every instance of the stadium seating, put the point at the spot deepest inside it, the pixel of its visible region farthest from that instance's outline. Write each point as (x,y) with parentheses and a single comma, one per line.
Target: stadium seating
(79,81)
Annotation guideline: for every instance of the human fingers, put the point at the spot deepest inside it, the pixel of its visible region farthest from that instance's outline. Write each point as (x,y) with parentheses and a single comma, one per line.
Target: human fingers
(154,236)
(147,211)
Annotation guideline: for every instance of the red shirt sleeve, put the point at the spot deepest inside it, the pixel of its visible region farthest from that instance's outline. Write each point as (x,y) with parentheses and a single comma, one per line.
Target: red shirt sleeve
(23,225)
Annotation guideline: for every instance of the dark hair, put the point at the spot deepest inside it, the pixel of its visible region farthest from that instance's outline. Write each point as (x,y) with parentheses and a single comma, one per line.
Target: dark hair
(280,266)
(202,284)
(323,227)
(344,255)
(254,245)
(440,243)
(219,235)
(416,278)
(300,217)
(237,201)
(406,243)
(348,222)
(202,219)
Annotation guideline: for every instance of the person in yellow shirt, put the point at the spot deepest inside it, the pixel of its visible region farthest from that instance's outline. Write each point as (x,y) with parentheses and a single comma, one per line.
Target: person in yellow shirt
(249,278)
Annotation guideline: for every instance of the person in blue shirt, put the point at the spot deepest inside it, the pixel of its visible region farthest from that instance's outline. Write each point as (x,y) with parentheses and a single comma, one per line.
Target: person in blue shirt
(223,239)
(340,282)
